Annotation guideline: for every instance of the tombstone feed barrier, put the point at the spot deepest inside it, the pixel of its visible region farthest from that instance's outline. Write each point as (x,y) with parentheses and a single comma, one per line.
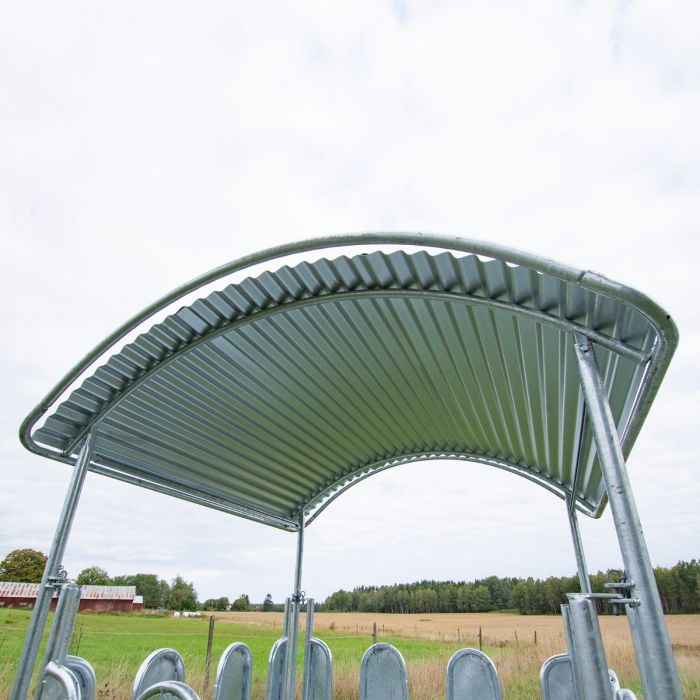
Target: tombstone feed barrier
(275,393)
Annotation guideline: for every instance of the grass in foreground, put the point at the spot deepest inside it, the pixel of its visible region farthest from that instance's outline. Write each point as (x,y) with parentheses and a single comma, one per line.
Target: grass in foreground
(117,644)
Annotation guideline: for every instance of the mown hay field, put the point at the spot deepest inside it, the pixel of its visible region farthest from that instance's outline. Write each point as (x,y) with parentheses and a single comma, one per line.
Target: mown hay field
(498,627)
(518,644)
(116,645)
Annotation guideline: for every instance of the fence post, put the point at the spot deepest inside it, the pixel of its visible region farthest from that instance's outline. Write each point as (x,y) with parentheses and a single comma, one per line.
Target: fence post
(207,664)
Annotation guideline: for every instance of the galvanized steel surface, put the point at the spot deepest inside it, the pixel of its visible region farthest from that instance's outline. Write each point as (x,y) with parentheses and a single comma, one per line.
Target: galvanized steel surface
(557,679)
(472,674)
(234,673)
(650,636)
(383,674)
(318,680)
(61,632)
(276,676)
(271,396)
(588,651)
(85,675)
(169,690)
(58,683)
(162,665)
(51,573)
(318,662)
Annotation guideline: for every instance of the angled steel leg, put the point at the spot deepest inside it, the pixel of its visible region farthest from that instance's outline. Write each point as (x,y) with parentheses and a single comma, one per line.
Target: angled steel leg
(651,641)
(50,578)
(293,635)
(578,547)
(310,606)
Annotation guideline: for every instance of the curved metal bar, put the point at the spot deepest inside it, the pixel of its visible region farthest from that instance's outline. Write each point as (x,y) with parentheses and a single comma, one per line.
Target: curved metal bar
(557,678)
(65,678)
(276,666)
(318,678)
(383,673)
(471,673)
(160,666)
(342,484)
(168,689)
(85,674)
(234,673)
(668,334)
(132,476)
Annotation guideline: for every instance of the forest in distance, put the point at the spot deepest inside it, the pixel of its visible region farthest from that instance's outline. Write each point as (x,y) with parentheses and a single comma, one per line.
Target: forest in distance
(679,588)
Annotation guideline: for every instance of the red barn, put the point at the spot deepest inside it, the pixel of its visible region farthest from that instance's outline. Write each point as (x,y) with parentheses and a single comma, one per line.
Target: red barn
(98,598)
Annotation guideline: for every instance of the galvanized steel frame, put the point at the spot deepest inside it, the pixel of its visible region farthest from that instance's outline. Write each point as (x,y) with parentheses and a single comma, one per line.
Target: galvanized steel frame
(66,678)
(310,609)
(581,565)
(58,642)
(590,667)
(324,498)
(656,366)
(50,577)
(293,631)
(649,632)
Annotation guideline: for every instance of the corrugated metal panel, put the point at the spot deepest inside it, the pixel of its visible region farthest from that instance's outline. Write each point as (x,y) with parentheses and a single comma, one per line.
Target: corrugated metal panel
(272,394)
(10,589)
(107,592)
(31,590)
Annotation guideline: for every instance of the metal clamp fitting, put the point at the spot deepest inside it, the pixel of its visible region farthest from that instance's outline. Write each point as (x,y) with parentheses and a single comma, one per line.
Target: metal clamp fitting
(58,580)
(299,597)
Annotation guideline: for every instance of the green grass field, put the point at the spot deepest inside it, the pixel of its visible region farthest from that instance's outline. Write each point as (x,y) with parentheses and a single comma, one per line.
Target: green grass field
(116,644)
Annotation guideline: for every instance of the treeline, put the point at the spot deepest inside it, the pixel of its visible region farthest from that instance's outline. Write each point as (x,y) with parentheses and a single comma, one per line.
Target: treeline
(241,604)
(679,588)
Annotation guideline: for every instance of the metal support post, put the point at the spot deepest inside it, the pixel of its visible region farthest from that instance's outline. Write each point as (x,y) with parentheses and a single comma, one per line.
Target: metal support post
(285,619)
(50,578)
(591,666)
(58,643)
(307,648)
(578,546)
(293,636)
(652,644)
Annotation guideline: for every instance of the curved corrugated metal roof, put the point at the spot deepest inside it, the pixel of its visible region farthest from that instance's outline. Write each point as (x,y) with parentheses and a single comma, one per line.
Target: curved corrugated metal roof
(268,397)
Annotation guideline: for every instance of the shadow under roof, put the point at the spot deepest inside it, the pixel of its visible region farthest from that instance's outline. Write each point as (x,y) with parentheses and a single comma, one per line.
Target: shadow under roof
(269,397)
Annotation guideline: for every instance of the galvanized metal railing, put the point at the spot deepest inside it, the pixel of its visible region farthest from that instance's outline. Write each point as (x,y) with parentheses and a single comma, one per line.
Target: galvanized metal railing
(581,674)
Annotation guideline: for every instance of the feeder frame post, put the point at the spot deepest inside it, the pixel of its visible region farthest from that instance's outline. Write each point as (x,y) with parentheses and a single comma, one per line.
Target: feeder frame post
(651,641)
(578,546)
(51,580)
(293,634)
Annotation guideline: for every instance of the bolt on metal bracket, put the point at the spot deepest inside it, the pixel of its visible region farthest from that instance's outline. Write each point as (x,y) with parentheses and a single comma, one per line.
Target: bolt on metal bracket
(58,580)
(623,588)
(616,599)
(299,597)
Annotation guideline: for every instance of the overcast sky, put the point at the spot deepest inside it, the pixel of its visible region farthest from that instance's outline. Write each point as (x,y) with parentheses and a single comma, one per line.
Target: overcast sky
(144,143)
